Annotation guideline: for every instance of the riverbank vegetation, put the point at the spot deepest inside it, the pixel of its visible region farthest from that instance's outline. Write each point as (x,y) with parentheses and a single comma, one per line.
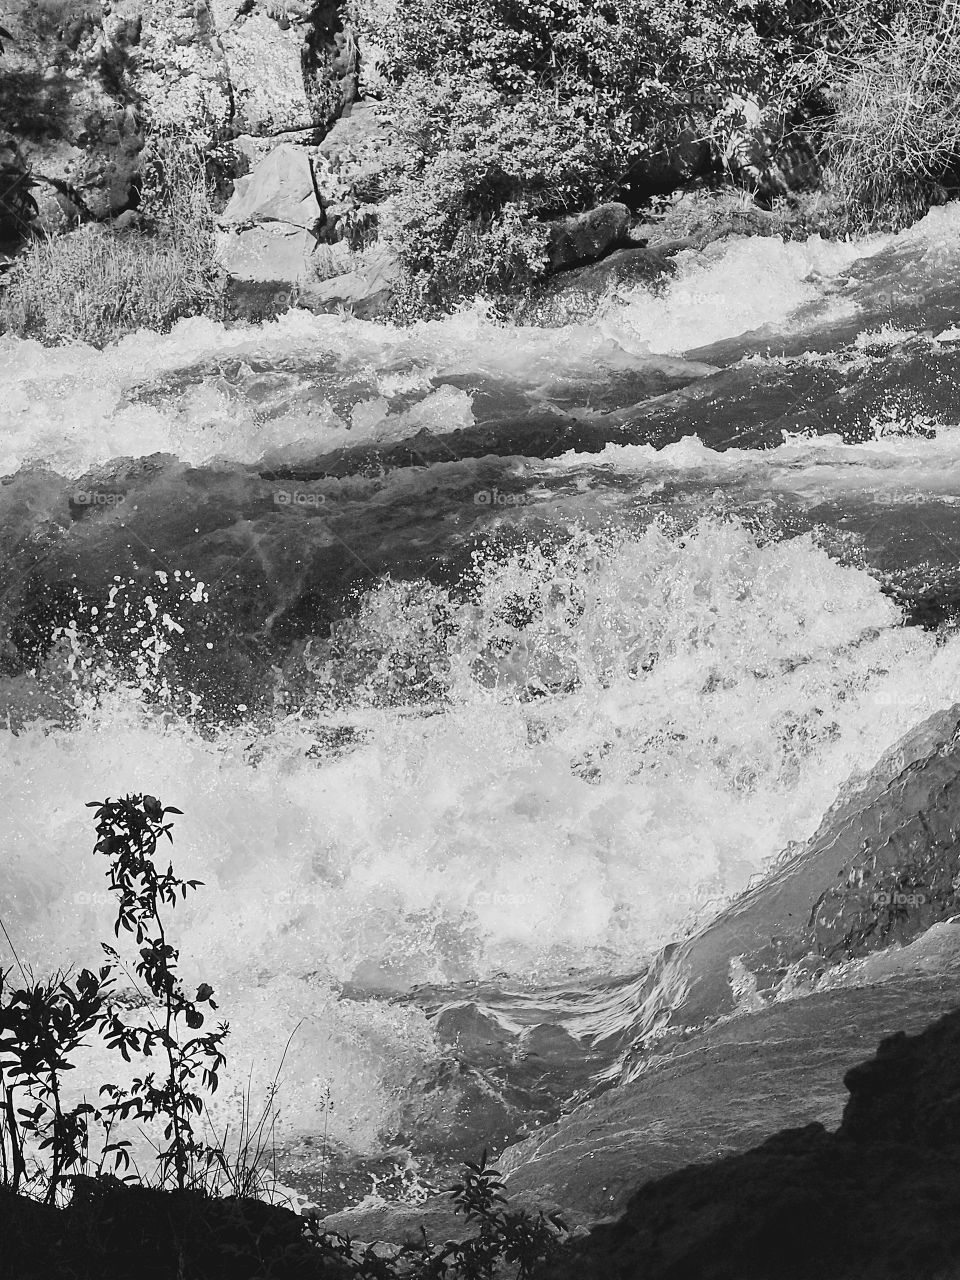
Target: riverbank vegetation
(499,119)
(145,272)
(560,105)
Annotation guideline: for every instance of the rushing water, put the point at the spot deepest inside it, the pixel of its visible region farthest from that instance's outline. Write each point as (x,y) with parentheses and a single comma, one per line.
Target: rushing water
(482,662)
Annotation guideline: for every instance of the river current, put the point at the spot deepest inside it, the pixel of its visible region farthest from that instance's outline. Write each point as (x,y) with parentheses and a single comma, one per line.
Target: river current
(483,661)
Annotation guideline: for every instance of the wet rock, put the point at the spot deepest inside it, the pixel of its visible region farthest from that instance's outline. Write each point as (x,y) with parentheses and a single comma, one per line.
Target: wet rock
(585,237)
(730,1088)
(876,1199)
(574,294)
(881,869)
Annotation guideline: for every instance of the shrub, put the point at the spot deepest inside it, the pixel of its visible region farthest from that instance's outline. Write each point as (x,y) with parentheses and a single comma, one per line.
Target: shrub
(502,1236)
(509,112)
(95,285)
(43,1024)
(480,172)
(895,129)
(128,831)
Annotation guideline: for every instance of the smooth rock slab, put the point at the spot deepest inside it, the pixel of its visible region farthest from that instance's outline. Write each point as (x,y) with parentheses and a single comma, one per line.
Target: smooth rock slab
(874,1201)
(272,251)
(721,1094)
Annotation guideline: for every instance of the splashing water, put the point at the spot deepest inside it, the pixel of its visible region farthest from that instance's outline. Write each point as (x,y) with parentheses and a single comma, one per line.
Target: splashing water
(542,772)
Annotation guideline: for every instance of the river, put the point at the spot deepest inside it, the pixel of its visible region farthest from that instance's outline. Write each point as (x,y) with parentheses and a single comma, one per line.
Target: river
(483,661)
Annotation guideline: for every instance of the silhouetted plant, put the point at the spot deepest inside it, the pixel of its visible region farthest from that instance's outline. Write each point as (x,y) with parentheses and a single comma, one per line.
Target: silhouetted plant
(503,1236)
(41,1027)
(128,831)
(43,1024)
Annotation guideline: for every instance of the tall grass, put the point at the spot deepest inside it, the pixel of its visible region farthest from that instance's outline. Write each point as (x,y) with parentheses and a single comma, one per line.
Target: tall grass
(895,132)
(98,283)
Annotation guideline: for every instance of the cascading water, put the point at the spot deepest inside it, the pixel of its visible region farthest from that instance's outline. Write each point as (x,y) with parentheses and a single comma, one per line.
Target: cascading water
(462,737)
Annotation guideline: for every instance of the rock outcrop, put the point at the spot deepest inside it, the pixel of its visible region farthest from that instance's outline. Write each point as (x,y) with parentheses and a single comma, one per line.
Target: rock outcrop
(81,82)
(876,1199)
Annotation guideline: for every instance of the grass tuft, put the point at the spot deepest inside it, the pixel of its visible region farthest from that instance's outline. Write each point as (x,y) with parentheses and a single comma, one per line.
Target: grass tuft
(98,283)
(894,135)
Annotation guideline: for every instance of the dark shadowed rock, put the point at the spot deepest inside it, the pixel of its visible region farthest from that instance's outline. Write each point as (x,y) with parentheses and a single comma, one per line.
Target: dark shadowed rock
(585,237)
(110,1231)
(685,156)
(875,1200)
(909,1091)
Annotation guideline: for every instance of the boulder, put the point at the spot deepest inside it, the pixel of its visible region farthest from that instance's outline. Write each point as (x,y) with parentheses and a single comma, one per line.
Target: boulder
(574,294)
(585,237)
(279,189)
(274,251)
(367,293)
(266,75)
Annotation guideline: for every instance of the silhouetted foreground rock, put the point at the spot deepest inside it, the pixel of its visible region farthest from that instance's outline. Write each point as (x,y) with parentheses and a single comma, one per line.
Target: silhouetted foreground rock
(115,1232)
(879,1198)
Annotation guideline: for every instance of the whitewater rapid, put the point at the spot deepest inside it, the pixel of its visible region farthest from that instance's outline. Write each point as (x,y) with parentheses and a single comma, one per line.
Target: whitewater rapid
(543,775)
